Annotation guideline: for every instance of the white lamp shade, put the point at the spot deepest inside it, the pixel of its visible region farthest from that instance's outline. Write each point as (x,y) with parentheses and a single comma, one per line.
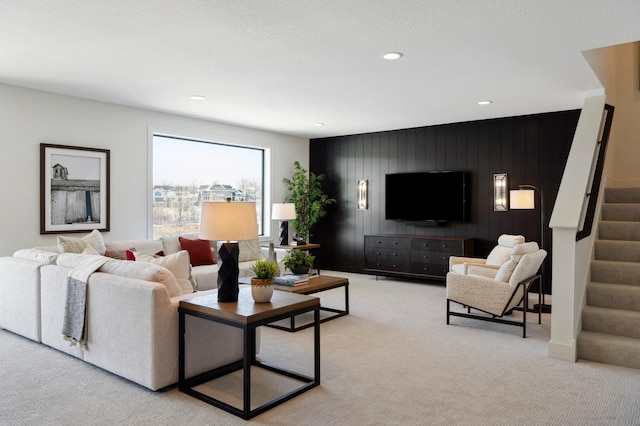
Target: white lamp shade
(228,221)
(283,211)
(522,199)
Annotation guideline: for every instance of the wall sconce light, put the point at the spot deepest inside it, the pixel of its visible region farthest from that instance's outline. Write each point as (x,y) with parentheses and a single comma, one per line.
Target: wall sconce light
(362,194)
(500,202)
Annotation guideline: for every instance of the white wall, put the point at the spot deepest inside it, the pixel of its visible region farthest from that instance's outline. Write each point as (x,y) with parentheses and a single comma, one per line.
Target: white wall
(618,68)
(29,117)
(625,96)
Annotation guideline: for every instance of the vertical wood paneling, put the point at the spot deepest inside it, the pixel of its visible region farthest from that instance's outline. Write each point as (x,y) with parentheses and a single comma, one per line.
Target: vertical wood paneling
(531,149)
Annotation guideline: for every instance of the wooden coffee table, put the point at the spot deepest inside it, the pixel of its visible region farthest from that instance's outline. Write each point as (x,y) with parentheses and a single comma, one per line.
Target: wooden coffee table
(248,316)
(316,285)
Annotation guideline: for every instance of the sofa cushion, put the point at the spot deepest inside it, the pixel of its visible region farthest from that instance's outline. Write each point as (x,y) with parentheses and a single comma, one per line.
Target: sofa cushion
(141,270)
(507,240)
(205,277)
(37,255)
(527,266)
(505,271)
(117,254)
(144,246)
(177,263)
(171,244)
(501,252)
(525,248)
(199,251)
(249,250)
(90,250)
(76,245)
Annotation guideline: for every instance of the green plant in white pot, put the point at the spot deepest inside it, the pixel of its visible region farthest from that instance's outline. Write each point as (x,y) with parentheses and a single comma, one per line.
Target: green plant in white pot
(309,198)
(262,283)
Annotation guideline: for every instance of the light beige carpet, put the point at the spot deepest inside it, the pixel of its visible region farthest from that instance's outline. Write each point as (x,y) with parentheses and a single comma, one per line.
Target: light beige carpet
(393,361)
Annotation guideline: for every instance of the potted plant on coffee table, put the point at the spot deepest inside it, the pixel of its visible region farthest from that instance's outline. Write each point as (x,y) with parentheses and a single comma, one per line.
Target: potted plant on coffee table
(298,261)
(262,283)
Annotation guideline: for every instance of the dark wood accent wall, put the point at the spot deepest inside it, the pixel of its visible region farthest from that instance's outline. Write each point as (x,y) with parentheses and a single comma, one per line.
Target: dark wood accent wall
(531,149)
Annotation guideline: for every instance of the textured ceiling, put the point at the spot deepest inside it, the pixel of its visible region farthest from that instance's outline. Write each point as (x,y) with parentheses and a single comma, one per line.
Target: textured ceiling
(283,65)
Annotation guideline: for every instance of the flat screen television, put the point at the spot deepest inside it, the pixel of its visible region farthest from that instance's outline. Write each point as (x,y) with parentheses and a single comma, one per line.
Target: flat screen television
(435,196)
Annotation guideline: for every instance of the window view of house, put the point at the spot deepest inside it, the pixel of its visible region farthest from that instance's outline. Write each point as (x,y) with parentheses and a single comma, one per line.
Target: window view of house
(187,172)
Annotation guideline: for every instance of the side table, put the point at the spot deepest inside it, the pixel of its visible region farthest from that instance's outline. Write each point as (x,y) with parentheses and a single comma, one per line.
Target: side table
(247,315)
(309,246)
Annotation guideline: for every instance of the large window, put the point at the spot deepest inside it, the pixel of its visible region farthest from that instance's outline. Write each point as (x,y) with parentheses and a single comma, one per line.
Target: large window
(187,172)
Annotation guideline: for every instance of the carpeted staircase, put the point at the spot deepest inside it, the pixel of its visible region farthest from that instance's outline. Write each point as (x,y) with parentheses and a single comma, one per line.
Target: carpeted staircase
(611,319)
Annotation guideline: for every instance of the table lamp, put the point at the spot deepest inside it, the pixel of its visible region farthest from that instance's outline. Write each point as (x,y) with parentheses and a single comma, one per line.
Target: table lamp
(283,212)
(228,223)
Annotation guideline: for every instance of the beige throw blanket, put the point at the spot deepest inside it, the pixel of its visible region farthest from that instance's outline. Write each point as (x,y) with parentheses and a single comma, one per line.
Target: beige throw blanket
(74,327)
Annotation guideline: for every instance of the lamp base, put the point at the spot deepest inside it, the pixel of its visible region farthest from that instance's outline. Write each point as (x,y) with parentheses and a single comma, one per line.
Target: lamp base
(228,273)
(284,233)
(545,309)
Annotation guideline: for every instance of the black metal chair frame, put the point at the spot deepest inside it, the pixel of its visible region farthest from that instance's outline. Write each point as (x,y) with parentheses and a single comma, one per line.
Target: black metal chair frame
(526,285)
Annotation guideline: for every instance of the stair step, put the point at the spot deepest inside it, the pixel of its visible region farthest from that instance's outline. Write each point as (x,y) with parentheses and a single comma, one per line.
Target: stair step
(622,195)
(623,251)
(616,296)
(624,212)
(618,322)
(608,349)
(609,271)
(619,230)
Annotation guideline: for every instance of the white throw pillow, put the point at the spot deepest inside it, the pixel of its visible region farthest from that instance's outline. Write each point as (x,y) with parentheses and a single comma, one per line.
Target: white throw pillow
(525,248)
(505,271)
(249,250)
(510,240)
(177,263)
(90,250)
(77,245)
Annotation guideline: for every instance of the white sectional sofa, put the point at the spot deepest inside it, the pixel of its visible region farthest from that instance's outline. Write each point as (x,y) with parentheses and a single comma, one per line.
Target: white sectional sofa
(131,310)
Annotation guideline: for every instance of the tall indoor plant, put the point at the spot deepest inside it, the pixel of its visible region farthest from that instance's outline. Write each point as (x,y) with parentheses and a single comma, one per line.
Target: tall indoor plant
(309,199)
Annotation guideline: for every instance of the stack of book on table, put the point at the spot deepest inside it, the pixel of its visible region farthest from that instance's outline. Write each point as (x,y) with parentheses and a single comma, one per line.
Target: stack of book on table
(292,279)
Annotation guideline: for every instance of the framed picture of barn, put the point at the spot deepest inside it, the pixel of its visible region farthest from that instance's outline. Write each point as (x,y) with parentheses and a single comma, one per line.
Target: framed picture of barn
(74,189)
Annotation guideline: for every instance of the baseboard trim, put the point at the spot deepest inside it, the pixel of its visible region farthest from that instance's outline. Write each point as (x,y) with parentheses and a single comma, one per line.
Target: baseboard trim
(563,351)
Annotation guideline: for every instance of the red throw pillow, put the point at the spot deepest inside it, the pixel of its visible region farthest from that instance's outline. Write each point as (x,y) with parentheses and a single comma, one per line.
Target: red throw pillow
(199,251)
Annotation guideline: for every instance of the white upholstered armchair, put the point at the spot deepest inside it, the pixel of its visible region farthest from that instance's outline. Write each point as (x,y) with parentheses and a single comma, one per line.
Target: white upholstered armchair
(496,292)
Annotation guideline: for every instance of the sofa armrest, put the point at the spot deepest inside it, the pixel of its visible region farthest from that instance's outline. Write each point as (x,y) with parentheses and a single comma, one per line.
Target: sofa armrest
(489,271)
(459,263)
(20,296)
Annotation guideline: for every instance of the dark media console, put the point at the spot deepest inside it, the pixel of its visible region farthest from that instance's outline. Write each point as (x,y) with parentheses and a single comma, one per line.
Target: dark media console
(413,256)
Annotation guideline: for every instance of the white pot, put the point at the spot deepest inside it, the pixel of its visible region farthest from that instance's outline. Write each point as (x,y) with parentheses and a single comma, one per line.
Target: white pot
(261,290)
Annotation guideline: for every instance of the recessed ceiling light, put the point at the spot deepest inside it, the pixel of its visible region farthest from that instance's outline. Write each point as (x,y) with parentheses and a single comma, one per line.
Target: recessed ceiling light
(197,98)
(318,124)
(484,102)
(391,56)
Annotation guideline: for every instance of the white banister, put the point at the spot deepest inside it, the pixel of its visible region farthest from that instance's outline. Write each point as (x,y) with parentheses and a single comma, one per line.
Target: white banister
(571,259)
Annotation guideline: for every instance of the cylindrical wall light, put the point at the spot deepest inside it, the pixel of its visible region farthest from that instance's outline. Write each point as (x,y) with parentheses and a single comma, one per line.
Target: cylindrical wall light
(362,194)
(500,186)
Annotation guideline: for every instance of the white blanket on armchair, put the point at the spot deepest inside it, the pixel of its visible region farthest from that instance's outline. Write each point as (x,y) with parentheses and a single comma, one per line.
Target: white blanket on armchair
(74,327)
